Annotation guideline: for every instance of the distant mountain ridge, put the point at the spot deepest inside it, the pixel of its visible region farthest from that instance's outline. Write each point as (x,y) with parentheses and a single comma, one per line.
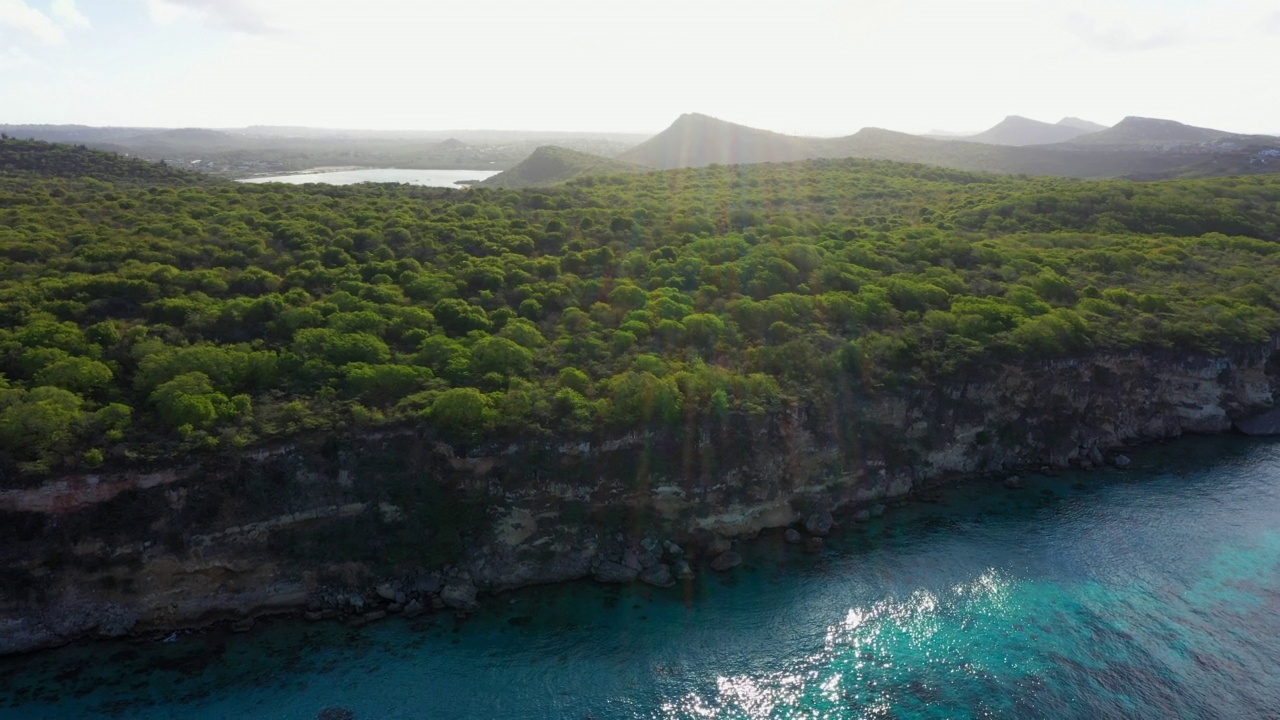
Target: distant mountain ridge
(1018,130)
(1142,148)
(696,140)
(1135,130)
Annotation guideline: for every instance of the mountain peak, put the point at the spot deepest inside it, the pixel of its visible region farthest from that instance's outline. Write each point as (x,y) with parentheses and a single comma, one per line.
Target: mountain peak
(1139,131)
(696,140)
(1019,130)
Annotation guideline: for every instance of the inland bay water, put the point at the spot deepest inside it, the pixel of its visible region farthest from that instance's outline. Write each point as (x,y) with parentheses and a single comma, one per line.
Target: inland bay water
(1152,592)
(433,178)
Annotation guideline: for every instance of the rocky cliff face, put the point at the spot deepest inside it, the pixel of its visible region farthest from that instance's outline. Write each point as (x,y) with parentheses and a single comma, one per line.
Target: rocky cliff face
(360,525)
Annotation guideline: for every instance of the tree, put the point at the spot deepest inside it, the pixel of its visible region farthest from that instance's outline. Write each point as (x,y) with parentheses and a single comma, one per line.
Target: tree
(339,348)
(40,426)
(380,385)
(190,402)
(461,413)
(458,317)
(500,355)
(77,374)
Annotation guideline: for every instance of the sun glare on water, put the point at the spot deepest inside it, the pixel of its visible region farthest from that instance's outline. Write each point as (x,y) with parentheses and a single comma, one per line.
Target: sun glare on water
(870,655)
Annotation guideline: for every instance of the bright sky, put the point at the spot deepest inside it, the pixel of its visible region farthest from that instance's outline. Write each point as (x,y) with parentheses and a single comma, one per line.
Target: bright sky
(819,67)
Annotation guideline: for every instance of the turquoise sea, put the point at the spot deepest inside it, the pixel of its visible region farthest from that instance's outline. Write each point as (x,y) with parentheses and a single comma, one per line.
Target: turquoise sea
(1152,592)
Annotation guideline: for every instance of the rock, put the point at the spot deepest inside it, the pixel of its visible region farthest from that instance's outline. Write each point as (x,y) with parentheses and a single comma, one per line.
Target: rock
(711,544)
(1013,482)
(683,569)
(819,523)
(413,609)
(459,594)
(328,613)
(1267,423)
(658,576)
(877,510)
(813,545)
(609,571)
(428,585)
(437,603)
(792,536)
(386,592)
(650,545)
(395,608)
(631,559)
(672,549)
(648,560)
(1122,461)
(374,616)
(336,713)
(862,516)
(357,601)
(401,598)
(725,561)
(313,615)
(1095,456)
(244,625)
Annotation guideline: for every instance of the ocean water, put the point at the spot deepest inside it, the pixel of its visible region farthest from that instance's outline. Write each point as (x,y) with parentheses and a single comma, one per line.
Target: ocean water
(1147,593)
(434,178)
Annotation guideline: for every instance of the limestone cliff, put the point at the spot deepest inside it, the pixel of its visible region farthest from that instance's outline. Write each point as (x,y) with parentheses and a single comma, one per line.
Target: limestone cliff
(397,520)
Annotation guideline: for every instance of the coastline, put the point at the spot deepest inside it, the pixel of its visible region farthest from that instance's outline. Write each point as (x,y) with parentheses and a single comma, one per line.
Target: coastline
(514,515)
(339,605)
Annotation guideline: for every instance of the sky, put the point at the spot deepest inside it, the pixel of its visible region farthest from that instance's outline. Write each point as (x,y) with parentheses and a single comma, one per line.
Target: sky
(812,67)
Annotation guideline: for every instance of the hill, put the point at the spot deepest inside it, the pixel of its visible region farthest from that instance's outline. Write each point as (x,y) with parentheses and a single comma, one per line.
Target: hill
(699,140)
(272,150)
(696,140)
(549,165)
(1017,130)
(35,158)
(1140,131)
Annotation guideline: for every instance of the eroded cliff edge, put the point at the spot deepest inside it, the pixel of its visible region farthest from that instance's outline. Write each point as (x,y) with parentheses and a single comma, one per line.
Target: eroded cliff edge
(398,517)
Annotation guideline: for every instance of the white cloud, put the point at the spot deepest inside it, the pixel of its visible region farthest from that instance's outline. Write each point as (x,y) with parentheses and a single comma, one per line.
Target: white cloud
(234,15)
(14,58)
(28,24)
(68,15)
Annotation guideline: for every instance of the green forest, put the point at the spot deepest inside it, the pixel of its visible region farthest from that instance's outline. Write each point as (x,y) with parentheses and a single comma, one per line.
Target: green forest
(144,314)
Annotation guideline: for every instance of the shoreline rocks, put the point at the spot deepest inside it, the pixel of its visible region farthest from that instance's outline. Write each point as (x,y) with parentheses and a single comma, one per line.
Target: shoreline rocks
(659,576)
(460,594)
(726,561)
(1268,423)
(819,523)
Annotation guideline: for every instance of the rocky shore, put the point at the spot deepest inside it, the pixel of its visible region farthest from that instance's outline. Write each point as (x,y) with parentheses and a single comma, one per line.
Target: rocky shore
(368,525)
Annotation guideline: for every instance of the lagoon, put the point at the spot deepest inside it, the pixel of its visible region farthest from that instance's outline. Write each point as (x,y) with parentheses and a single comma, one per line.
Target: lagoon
(433,178)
